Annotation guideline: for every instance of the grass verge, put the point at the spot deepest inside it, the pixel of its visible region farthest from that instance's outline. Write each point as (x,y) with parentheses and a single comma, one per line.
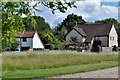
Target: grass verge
(45,73)
(44,60)
(45,64)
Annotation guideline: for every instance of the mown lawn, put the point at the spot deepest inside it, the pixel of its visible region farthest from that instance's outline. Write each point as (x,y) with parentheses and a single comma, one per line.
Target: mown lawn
(44,64)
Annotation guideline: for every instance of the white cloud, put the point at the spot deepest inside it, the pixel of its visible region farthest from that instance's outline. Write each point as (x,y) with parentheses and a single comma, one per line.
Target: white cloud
(90,10)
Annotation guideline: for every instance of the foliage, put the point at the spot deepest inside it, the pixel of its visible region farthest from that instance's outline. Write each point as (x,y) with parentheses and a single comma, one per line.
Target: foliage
(60,33)
(71,21)
(12,23)
(67,24)
(108,20)
(49,38)
(41,25)
(58,5)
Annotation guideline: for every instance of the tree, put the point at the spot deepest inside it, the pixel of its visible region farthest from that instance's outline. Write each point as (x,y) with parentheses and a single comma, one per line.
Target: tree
(60,34)
(71,21)
(108,20)
(58,5)
(48,38)
(67,25)
(41,25)
(12,22)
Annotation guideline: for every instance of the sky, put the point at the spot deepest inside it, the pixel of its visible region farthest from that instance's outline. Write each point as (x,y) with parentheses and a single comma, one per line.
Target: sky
(90,10)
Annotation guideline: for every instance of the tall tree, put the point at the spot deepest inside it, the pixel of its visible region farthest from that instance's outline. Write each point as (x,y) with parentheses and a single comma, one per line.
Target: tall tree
(12,21)
(68,23)
(71,21)
(41,25)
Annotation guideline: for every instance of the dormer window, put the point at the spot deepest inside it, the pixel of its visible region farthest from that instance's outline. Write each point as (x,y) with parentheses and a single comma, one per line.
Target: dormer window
(24,39)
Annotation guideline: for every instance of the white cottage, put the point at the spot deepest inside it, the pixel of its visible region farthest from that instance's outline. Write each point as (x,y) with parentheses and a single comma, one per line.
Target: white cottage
(87,33)
(29,40)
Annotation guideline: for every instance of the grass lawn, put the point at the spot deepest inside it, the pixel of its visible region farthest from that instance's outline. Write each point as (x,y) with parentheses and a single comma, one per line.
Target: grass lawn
(52,63)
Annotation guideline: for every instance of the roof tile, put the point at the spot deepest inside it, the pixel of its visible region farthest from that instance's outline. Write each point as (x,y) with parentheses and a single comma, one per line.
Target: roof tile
(27,34)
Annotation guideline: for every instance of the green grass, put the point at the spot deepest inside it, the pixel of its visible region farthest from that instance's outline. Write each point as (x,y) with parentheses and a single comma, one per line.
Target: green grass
(43,60)
(44,73)
(50,63)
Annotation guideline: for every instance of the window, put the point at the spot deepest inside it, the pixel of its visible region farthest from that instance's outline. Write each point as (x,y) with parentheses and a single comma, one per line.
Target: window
(111,37)
(24,39)
(74,38)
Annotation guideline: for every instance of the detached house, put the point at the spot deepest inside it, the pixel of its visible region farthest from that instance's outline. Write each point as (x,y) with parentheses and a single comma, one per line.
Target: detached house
(29,40)
(87,33)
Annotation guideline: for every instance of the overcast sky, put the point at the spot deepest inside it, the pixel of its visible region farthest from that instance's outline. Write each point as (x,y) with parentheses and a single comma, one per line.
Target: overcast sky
(90,10)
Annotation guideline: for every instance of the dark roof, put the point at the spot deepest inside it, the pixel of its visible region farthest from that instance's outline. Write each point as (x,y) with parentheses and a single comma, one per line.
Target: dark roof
(80,31)
(28,34)
(92,30)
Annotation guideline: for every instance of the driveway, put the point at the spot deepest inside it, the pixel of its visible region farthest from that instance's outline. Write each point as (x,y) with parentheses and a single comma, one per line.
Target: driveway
(104,73)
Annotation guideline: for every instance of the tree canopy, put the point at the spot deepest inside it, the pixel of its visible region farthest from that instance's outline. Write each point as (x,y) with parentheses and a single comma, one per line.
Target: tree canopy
(41,25)
(68,23)
(108,20)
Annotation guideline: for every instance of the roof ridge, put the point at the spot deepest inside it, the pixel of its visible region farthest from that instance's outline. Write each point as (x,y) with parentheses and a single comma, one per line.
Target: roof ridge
(80,29)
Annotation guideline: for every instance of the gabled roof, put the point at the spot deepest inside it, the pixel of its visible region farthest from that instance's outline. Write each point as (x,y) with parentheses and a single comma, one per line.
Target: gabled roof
(80,31)
(92,30)
(28,34)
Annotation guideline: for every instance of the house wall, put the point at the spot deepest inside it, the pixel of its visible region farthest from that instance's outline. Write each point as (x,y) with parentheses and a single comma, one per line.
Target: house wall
(72,34)
(37,43)
(84,39)
(113,41)
(91,43)
(28,43)
(104,41)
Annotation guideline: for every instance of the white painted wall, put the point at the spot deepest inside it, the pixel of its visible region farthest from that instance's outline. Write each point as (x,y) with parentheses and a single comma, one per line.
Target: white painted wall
(91,43)
(113,33)
(84,39)
(74,33)
(37,43)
